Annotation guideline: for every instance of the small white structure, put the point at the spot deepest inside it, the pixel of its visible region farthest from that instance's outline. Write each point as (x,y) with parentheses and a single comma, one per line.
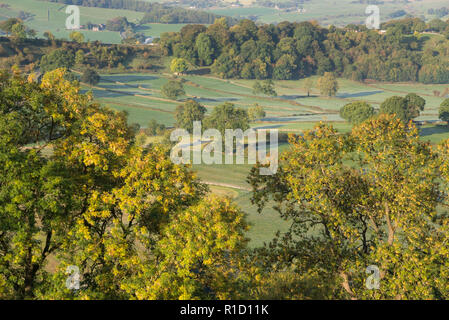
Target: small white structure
(148,40)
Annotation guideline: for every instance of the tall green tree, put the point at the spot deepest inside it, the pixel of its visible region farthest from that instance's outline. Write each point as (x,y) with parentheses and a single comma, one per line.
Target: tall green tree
(173,89)
(90,76)
(357,112)
(443,112)
(328,84)
(205,49)
(227,116)
(178,65)
(187,113)
(406,108)
(266,87)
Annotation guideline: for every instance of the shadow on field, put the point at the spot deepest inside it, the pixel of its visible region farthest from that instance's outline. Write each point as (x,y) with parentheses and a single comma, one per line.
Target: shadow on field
(198,72)
(296,96)
(274,126)
(128,78)
(203,99)
(358,94)
(437,129)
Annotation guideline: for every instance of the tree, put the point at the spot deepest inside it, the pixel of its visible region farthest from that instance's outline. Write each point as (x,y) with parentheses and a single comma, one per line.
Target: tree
(173,89)
(256,112)
(415,104)
(266,87)
(154,128)
(187,113)
(76,36)
(395,105)
(117,24)
(128,218)
(205,49)
(284,68)
(200,267)
(79,57)
(227,116)
(354,201)
(357,112)
(55,59)
(406,108)
(308,85)
(19,31)
(8,24)
(443,112)
(50,36)
(328,84)
(37,218)
(178,65)
(90,76)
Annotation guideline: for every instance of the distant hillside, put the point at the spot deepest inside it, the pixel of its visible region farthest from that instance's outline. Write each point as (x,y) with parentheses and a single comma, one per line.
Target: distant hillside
(154,12)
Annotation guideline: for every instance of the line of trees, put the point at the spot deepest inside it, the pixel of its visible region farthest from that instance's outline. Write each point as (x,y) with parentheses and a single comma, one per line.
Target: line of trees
(297,50)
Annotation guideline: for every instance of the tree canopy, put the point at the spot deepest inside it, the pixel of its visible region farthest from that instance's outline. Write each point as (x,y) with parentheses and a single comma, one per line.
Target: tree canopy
(356,112)
(368,198)
(187,113)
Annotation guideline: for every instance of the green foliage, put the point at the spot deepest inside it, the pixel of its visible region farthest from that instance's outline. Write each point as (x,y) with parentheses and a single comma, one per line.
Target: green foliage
(227,116)
(178,65)
(77,187)
(298,50)
(256,112)
(328,84)
(50,36)
(55,59)
(366,198)
(308,85)
(266,87)
(76,36)
(406,108)
(187,113)
(8,24)
(357,112)
(443,112)
(90,76)
(205,49)
(173,89)
(117,24)
(154,128)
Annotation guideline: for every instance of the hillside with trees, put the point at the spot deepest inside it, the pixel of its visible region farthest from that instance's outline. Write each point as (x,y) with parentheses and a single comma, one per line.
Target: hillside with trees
(154,12)
(297,50)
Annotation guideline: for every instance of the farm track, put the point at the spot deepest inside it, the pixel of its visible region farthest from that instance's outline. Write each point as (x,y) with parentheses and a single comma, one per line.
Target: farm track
(227,185)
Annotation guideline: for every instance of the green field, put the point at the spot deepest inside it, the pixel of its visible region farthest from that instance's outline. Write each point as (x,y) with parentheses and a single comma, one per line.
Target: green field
(292,111)
(340,13)
(48,16)
(139,94)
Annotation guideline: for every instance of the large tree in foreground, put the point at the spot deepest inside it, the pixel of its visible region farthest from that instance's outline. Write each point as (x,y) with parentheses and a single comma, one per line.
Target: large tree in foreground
(77,190)
(362,203)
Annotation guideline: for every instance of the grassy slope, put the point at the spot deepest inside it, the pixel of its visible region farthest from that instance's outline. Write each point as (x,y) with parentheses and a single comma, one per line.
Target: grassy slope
(341,12)
(56,24)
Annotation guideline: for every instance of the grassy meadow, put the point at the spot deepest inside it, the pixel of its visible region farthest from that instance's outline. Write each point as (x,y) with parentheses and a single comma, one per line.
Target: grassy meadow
(291,111)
